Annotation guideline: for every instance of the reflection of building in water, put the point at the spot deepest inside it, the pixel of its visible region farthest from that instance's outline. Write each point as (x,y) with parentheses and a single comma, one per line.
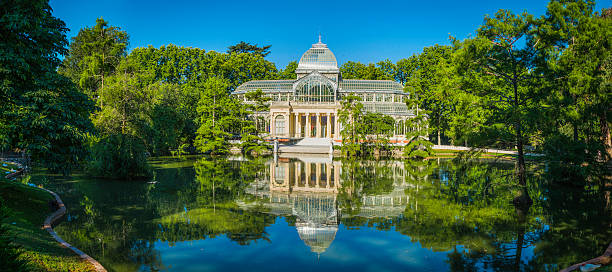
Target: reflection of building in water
(307,189)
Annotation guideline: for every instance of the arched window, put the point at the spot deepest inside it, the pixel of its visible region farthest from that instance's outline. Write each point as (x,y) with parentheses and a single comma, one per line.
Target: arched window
(279,125)
(314,89)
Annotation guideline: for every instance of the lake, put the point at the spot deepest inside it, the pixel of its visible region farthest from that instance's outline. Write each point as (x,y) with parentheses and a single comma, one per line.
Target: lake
(316,213)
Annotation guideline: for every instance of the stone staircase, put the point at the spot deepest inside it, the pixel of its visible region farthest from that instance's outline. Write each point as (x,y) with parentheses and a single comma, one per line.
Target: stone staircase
(315,142)
(309,146)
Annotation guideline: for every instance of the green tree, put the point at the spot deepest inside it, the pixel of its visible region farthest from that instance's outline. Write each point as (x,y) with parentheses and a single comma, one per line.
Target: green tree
(94,55)
(378,130)
(289,71)
(251,136)
(41,112)
(419,145)
(432,83)
(574,55)
(469,118)
(357,70)
(119,150)
(498,68)
(349,116)
(244,47)
(126,101)
(219,113)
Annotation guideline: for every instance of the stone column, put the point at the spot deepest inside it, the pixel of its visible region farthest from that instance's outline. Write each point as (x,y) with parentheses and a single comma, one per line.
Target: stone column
(318,171)
(307,134)
(273,125)
(287,125)
(297,125)
(294,124)
(328,168)
(328,125)
(318,132)
(337,125)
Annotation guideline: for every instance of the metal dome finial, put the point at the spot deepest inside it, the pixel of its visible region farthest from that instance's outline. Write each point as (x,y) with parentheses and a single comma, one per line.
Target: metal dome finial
(319,37)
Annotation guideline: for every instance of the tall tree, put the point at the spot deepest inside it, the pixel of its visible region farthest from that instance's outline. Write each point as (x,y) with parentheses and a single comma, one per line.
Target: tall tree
(252,129)
(244,47)
(419,146)
(41,111)
(289,71)
(575,57)
(219,113)
(498,65)
(357,70)
(433,84)
(94,55)
(350,115)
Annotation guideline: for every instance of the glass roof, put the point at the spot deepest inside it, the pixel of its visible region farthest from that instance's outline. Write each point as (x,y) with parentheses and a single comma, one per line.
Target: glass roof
(318,58)
(357,85)
(266,86)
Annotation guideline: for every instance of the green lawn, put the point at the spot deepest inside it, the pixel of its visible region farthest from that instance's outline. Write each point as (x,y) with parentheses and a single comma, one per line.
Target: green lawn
(29,209)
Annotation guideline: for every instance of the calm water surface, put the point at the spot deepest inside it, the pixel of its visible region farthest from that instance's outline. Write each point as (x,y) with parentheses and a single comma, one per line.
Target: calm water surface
(313,213)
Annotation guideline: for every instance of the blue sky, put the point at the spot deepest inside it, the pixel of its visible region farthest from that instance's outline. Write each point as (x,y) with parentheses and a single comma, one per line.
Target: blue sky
(365,31)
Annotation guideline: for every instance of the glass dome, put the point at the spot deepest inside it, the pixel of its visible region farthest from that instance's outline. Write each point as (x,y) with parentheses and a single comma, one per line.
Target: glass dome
(318,58)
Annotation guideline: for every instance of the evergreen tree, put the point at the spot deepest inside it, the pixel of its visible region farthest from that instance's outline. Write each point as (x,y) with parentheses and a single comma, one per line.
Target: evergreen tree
(350,115)
(419,146)
(244,47)
(219,114)
(251,135)
(495,66)
(94,55)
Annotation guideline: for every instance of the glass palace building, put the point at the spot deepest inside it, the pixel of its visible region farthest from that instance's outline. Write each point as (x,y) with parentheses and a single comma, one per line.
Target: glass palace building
(307,107)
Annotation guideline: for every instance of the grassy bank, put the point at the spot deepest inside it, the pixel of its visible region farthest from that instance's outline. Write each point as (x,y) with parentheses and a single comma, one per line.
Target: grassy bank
(447,153)
(29,207)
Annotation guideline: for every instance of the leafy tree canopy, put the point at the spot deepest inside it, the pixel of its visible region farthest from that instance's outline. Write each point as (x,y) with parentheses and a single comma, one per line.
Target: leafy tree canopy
(244,47)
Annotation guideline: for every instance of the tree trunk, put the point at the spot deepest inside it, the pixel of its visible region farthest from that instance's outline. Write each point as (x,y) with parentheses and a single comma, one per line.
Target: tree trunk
(605,133)
(523,199)
(521,213)
(575,132)
(438,130)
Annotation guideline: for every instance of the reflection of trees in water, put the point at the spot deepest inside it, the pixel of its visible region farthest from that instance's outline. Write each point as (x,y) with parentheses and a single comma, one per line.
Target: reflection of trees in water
(463,207)
(119,222)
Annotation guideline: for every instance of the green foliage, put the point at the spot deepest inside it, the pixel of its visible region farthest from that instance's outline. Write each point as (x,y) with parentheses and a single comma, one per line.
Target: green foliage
(495,67)
(11,255)
(357,70)
(377,130)
(41,111)
(118,156)
(94,55)
(252,142)
(244,47)
(289,71)
(219,113)
(349,115)
(432,83)
(193,66)
(26,208)
(572,161)
(574,57)
(125,101)
(419,146)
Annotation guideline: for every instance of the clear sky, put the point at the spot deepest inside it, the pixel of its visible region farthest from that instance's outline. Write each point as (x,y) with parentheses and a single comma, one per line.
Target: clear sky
(364,31)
